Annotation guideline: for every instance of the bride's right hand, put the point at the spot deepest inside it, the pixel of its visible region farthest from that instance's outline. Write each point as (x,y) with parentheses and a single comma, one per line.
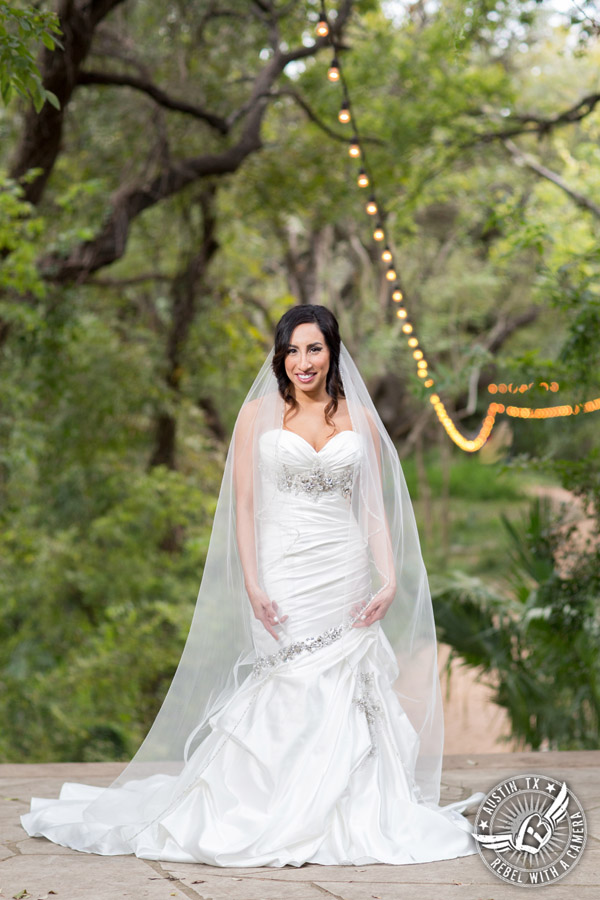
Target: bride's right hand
(265,610)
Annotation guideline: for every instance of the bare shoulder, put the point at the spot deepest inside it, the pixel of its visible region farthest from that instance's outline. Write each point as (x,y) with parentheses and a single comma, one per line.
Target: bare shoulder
(247,415)
(249,411)
(372,425)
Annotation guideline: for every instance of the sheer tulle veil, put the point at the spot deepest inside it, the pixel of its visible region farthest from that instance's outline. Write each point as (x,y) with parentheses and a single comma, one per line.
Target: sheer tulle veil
(226,645)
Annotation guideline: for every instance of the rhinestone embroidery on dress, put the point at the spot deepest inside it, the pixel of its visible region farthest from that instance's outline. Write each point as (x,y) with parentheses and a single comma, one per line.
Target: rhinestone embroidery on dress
(264,663)
(315,481)
(369,707)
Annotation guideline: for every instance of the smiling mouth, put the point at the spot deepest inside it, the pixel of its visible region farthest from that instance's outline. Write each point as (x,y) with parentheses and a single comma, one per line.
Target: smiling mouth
(307,377)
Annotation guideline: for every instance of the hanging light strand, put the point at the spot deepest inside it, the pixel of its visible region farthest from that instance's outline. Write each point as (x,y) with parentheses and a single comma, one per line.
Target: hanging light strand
(374,209)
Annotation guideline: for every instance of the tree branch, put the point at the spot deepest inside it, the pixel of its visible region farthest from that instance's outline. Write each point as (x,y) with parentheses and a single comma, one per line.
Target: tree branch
(132,199)
(129,282)
(157,94)
(494,340)
(532,124)
(290,92)
(525,159)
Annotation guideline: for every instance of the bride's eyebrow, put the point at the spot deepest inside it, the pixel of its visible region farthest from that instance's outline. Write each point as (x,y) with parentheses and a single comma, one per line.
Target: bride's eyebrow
(314,344)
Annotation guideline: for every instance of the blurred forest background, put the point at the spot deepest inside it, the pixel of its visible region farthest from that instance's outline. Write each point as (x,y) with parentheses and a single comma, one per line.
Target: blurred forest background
(173,178)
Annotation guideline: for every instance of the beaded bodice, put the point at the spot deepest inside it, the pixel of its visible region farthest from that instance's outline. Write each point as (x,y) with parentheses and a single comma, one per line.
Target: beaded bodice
(295,467)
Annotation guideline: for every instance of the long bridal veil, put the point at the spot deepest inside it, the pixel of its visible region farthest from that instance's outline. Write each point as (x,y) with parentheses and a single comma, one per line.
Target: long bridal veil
(228,648)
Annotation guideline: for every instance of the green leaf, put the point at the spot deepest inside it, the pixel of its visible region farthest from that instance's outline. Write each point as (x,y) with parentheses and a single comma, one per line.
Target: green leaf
(52,98)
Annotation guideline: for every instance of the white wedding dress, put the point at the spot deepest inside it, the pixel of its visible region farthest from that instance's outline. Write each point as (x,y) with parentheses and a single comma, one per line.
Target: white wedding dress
(313,763)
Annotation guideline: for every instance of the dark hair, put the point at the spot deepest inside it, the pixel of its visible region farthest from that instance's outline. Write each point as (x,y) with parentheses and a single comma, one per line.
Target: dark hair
(328,324)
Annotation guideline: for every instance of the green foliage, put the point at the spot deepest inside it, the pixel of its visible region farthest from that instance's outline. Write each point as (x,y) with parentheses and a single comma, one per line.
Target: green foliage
(20,230)
(539,642)
(95,615)
(22,29)
(470,479)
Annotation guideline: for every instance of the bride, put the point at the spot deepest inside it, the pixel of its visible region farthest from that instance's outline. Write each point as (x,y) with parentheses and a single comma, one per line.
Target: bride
(296,729)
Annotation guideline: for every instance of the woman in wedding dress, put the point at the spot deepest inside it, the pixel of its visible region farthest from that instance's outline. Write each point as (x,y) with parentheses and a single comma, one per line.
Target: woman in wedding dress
(304,721)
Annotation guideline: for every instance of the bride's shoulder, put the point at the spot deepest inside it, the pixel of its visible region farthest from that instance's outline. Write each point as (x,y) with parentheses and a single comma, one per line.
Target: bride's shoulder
(343,408)
(370,419)
(250,409)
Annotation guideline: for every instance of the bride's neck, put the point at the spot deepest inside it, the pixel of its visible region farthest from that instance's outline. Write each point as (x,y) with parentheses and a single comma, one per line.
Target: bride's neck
(310,404)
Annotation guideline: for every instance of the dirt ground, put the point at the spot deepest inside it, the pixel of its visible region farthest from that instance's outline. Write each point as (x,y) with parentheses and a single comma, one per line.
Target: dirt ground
(472,722)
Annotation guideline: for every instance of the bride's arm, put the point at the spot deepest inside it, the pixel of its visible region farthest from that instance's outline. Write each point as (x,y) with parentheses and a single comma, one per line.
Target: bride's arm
(243,481)
(380,543)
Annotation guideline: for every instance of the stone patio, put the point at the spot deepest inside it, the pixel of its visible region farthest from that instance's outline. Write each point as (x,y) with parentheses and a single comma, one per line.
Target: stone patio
(34,868)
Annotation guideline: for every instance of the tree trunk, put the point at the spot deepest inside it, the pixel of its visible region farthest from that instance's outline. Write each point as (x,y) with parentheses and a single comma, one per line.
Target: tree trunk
(41,137)
(424,489)
(445,516)
(185,292)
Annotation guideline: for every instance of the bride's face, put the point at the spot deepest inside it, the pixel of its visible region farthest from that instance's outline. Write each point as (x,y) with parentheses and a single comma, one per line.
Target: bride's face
(307,359)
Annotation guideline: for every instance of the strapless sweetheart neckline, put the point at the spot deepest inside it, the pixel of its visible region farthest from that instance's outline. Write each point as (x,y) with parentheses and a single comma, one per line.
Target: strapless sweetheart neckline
(308,444)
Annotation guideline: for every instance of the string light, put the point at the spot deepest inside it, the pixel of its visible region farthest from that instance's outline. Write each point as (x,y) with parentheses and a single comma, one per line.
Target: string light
(470,445)
(322,28)
(520,389)
(344,114)
(333,72)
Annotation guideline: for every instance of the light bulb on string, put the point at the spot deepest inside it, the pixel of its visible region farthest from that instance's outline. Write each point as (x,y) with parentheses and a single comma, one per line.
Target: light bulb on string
(421,364)
(371,206)
(363,179)
(429,382)
(333,72)
(344,114)
(397,295)
(418,354)
(386,254)
(354,149)
(401,313)
(379,233)
(322,28)
(413,342)
(407,328)
(391,274)
(422,373)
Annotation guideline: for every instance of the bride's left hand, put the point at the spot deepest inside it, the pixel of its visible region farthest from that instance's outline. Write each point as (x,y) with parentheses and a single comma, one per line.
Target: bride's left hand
(377,608)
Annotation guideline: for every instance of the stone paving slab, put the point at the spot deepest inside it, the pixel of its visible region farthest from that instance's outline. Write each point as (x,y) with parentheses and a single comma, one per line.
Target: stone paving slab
(39,867)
